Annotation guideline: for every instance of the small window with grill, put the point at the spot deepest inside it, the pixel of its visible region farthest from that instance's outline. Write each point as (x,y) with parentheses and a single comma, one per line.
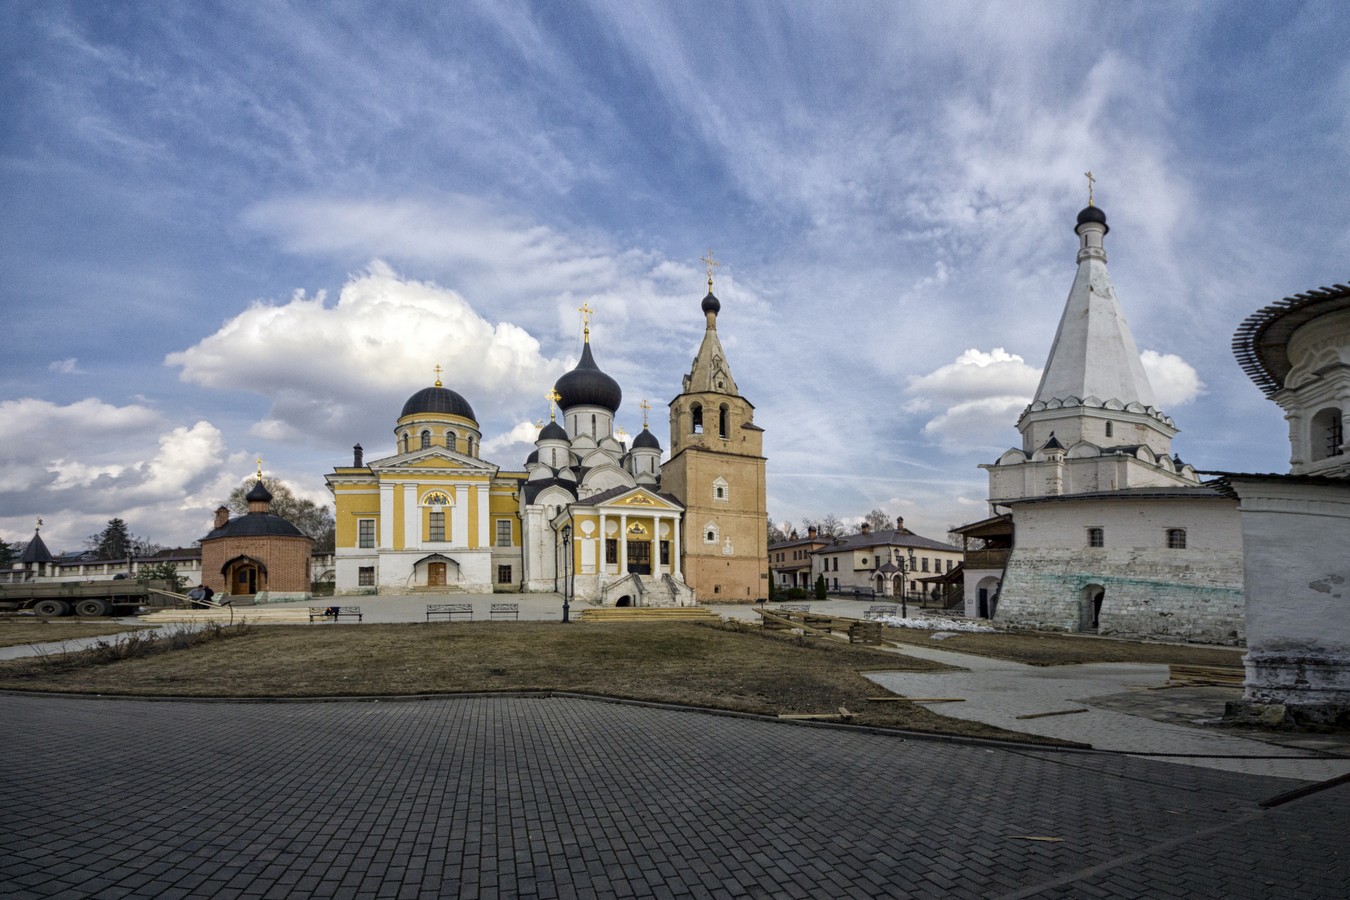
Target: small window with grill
(1096,537)
(1176,539)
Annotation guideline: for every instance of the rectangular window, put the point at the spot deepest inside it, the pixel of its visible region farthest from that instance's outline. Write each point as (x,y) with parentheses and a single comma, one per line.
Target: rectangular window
(504,533)
(665,553)
(949,565)
(1096,537)
(924,562)
(1176,539)
(437,529)
(611,550)
(503,574)
(365,576)
(365,533)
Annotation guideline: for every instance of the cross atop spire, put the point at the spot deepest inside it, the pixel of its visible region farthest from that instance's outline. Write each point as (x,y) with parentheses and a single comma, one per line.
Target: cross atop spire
(260,468)
(39,525)
(1088,175)
(711,262)
(585,310)
(644,406)
(438,374)
(552,397)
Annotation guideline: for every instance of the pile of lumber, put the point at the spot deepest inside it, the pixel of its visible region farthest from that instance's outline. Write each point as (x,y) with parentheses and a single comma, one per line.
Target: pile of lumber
(1207,675)
(647,614)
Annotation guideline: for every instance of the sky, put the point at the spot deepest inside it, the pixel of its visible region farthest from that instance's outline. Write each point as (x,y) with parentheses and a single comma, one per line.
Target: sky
(242,230)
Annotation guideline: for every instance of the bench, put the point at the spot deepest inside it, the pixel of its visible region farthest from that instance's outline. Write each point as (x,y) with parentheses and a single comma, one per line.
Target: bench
(880,610)
(504,611)
(451,611)
(794,607)
(870,593)
(335,613)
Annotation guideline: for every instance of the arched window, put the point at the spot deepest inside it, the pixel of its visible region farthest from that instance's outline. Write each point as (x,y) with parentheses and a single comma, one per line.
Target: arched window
(696,418)
(468,445)
(1096,537)
(1327,434)
(723,422)
(1176,539)
(710,535)
(721,490)
(451,441)
(405,442)
(592,424)
(426,439)
(1110,429)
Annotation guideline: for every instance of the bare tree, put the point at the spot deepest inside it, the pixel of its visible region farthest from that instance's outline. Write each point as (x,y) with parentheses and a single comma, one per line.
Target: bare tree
(314,520)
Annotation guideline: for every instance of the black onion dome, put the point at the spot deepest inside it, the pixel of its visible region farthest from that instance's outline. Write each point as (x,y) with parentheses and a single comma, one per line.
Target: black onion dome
(553,432)
(1093,214)
(256,525)
(711,304)
(259,494)
(438,400)
(646,441)
(532,458)
(586,385)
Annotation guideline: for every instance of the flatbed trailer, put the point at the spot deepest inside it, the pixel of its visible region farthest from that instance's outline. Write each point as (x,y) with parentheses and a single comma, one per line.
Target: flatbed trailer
(119,597)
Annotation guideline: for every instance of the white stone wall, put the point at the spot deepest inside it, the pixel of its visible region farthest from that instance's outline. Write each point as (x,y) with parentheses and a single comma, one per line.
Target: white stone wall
(1298,592)
(1149,590)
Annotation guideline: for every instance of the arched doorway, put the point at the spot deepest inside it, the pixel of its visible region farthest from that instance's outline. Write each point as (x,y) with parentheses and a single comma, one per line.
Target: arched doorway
(625,600)
(1090,607)
(986,593)
(244,576)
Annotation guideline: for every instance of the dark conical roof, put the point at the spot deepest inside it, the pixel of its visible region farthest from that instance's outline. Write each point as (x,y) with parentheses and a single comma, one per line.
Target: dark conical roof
(36,551)
(259,493)
(1093,214)
(255,525)
(553,432)
(711,304)
(438,400)
(646,441)
(586,385)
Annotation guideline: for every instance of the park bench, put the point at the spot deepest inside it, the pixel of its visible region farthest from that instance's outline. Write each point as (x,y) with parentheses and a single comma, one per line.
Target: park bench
(335,613)
(881,610)
(504,611)
(451,611)
(859,592)
(794,607)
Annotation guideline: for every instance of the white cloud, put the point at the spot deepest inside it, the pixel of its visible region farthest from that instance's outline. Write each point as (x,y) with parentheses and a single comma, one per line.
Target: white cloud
(977,397)
(1174,381)
(513,445)
(68,366)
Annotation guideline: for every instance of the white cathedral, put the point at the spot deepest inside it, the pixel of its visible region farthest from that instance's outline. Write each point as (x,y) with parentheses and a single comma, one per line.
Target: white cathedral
(1099,526)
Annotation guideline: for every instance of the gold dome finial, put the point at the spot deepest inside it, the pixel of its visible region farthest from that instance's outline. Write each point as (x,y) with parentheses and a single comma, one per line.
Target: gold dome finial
(1088,175)
(552,397)
(260,468)
(585,310)
(711,262)
(438,375)
(644,406)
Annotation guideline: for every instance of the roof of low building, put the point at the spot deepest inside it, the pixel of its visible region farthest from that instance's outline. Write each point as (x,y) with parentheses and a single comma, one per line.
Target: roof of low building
(1196,492)
(256,524)
(1261,343)
(886,538)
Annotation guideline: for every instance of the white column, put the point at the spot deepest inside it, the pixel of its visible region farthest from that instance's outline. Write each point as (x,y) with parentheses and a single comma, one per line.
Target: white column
(623,544)
(460,537)
(485,536)
(412,517)
(386,514)
(603,561)
(675,567)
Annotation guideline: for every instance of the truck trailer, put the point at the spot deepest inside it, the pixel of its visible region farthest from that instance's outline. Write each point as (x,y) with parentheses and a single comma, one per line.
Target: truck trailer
(121,597)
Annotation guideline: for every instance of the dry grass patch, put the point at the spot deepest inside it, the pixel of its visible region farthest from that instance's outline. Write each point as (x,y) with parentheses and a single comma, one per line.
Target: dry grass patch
(16,631)
(724,667)
(1042,649)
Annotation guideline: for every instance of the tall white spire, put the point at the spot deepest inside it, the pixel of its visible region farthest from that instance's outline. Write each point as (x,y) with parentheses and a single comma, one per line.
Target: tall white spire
(1094,354)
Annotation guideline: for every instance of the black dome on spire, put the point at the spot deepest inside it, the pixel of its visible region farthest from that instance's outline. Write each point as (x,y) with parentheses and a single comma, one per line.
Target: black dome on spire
(438,400)
(586,385)
(646,440)
(1093,214)
(552,432)
(259,494)
(711,304)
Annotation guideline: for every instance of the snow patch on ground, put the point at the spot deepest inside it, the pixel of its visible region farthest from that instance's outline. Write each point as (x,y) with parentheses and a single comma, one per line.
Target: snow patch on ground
(934,623)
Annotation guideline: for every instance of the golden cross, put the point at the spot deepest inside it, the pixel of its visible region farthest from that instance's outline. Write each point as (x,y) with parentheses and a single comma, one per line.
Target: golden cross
(712,263)
(552,397)
(644,406)
(39,525)
(538,423)
(1090,179)
(438,375)
(260,468)
(621,433)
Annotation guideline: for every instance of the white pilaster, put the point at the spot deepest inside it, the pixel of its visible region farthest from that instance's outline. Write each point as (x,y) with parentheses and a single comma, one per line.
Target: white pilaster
(386,515)
(460,535)
(484,518)
(412,517)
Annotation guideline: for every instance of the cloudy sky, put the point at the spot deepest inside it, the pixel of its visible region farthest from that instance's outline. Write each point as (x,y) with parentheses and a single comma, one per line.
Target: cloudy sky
(252,229)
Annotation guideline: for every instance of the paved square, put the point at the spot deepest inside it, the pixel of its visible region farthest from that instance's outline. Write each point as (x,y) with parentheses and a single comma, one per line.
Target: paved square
(486,797)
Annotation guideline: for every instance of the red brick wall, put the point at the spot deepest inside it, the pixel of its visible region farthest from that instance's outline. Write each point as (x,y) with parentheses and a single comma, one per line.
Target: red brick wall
(287,560)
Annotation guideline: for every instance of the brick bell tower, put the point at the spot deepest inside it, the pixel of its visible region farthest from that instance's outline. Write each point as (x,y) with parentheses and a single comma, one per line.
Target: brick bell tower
(716,469)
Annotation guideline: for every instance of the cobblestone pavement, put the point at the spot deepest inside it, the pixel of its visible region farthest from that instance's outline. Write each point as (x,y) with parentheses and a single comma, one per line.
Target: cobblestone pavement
(562,797)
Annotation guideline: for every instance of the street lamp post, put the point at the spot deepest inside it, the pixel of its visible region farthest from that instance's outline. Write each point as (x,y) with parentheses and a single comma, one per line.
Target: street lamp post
(567,569)
(904,584)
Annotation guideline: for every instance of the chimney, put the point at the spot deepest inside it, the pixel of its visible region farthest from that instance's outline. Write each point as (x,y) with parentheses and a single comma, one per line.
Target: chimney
(357,456)
(899,523)
(794,535)
(222,516)
(811,532)
(867,528)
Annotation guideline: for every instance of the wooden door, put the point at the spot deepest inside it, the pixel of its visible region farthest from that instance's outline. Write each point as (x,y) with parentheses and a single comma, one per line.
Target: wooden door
(436,574)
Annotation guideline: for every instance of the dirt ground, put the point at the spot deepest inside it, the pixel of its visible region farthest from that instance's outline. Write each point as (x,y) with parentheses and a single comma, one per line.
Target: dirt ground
(1041,649)
(18,630)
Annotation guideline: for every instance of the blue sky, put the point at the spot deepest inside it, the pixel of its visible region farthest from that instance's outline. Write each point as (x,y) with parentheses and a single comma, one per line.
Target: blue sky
(251,229)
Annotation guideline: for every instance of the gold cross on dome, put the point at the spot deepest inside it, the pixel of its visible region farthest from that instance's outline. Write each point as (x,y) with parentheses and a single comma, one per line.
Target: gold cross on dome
(438,374)
(1088,175)
(552,397)
(538,423)
(644,406)
(621,434)
(711,262)
(260,468)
